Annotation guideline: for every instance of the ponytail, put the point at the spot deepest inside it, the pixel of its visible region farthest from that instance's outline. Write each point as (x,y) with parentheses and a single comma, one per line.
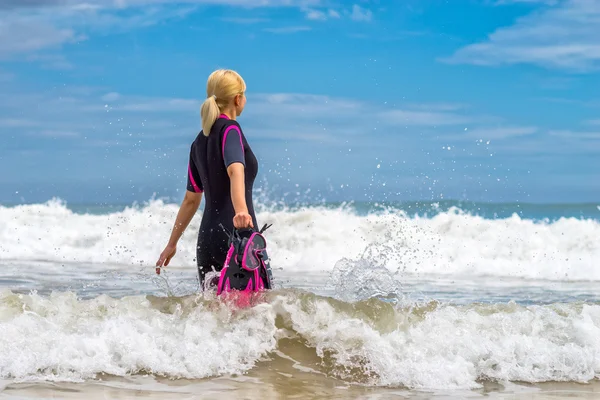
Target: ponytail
(222,86)
(209,113)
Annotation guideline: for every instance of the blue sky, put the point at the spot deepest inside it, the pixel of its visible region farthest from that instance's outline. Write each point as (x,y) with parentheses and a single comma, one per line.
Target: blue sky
(494,100)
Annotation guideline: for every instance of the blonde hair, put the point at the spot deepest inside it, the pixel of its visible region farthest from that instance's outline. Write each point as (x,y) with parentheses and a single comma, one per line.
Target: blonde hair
(222,86)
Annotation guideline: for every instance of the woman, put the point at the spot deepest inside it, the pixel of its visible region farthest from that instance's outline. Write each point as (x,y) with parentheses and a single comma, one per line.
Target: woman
(223,168)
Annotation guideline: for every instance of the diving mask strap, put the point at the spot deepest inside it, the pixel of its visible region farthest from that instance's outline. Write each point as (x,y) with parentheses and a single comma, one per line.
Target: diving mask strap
(264,228)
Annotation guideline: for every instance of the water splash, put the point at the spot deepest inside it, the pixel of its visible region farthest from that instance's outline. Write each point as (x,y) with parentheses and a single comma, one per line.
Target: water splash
(356,280)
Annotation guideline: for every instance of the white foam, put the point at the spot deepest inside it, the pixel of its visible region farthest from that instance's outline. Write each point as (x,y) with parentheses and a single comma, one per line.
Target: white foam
(60,338)
(316,238)
(453,347)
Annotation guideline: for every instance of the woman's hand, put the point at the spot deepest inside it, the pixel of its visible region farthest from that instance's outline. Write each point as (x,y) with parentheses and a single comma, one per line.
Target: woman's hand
(165,257)
(243,220)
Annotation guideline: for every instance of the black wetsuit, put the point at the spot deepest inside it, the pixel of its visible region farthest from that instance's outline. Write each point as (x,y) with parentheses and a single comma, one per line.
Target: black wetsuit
(207,172)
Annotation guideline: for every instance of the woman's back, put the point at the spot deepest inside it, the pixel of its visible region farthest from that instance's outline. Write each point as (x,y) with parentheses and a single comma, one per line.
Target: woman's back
(209,158)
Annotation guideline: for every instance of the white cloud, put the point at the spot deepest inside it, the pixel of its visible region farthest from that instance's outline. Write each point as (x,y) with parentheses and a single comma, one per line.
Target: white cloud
(593,122)
(503,2)
(288,29)
(333,14)
(425,118)
(112,96)
(439,106)
(51,133)
(316,15)
(361,14)
(159,105)
(318,103)
(27,27)
(499,133)
(122,4)
(565,36)
(569,134)
(320,15)
(110,21)
(243,20)
(242,3)
(16,123)
(27,35)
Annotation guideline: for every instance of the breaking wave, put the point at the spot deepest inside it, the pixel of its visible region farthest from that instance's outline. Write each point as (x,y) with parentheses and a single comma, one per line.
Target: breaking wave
(316,238)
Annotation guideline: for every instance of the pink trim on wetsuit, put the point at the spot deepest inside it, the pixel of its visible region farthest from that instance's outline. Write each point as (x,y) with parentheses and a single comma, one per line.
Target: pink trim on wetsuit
(225,138)
(223,116)
(196,188)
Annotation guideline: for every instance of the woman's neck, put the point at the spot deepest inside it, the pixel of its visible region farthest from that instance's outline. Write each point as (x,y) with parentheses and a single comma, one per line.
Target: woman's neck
(230,112)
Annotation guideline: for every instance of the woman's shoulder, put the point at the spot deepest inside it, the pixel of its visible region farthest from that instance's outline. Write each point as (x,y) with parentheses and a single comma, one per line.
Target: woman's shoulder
(232,122)
(229,125)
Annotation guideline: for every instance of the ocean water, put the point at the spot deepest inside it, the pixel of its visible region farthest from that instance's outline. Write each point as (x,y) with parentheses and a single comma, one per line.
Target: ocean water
(400,300)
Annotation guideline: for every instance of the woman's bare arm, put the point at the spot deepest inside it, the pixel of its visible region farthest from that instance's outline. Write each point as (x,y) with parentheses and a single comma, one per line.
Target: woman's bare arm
(188,208)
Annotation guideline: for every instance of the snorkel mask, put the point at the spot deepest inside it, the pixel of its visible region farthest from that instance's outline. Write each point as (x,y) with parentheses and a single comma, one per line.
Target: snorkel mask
(246,266)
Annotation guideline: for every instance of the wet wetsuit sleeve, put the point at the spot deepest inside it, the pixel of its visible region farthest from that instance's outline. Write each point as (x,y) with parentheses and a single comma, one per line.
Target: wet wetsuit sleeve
(193,178)
(233,147)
